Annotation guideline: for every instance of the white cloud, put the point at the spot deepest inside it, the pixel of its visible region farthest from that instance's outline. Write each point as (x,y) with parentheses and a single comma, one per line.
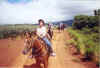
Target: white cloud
(49,10)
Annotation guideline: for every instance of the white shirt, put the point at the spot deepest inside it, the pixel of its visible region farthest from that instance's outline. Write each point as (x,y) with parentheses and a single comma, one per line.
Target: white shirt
(41,32)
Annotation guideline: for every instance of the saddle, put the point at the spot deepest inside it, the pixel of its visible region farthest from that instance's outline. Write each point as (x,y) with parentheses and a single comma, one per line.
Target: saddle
(47,47)
(41,40)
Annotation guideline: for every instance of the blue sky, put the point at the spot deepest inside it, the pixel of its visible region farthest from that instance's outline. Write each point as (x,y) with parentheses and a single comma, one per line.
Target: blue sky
(19,1)
(29,11)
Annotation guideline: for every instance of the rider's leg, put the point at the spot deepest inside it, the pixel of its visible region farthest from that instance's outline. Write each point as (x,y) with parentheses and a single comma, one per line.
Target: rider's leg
(49,45)
(32,54)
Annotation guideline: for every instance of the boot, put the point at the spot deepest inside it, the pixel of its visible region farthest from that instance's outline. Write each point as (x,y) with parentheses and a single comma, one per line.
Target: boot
(51,51)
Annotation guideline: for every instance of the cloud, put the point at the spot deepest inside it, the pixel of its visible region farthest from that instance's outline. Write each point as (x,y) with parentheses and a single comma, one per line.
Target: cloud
(29,11)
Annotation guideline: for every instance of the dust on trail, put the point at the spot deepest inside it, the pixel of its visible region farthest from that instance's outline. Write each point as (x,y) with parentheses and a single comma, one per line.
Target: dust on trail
(63,57)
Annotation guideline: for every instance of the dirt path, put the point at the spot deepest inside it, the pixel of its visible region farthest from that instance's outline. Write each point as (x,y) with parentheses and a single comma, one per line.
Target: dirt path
(63,57)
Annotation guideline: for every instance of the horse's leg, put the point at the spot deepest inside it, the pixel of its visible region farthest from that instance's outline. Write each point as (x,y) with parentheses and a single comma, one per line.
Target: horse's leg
(46,62)
(62,28)
(59,29)
(38,61)
(51,34)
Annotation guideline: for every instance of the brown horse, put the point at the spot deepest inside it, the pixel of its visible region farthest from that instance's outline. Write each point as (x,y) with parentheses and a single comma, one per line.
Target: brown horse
(50,32)
(41,53)
(61,28)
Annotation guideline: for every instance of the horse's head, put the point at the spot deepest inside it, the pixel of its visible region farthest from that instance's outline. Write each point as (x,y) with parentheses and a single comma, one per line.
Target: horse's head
(32,42)
(29,40)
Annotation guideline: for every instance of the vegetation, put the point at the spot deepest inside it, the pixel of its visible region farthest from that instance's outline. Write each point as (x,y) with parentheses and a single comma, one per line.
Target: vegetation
(15,30)
(85,34)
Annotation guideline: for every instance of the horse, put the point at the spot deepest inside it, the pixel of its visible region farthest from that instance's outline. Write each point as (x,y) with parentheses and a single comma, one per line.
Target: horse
(40,53)
(61,28)
(50,32)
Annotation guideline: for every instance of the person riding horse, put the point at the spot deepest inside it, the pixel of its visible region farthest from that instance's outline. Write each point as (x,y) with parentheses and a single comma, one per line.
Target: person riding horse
(39,44)
(36,49)
(61,27)
(50,31)
(42,33)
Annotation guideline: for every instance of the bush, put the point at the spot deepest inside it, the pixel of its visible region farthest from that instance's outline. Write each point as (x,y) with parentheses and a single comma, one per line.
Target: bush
(15,30)
(82,21)
(86,44)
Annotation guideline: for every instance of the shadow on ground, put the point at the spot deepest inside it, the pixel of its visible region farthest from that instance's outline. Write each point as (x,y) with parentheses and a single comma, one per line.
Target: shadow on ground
(32,66)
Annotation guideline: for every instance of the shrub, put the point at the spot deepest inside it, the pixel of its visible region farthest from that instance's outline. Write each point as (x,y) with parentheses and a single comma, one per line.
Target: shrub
(87,44)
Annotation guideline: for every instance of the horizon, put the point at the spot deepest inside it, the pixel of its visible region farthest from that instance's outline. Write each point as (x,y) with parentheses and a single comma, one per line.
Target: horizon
(36,23)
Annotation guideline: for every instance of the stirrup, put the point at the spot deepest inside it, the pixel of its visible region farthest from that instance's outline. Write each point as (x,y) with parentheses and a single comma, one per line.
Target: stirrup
(53,54)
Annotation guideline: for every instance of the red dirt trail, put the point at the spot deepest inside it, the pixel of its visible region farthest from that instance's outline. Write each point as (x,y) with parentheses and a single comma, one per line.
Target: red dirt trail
(11,54)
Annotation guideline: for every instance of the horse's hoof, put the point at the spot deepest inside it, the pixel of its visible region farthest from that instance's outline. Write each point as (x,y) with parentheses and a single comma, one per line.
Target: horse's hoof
(30,57)
(23,52)
(53,54)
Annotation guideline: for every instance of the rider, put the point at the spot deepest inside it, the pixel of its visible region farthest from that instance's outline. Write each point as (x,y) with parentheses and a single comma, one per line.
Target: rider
(50,26)
(42,33)
(61,24)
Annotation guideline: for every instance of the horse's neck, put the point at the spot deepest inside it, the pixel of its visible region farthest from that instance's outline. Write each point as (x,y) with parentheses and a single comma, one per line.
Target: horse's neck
(39,44)
(28,39)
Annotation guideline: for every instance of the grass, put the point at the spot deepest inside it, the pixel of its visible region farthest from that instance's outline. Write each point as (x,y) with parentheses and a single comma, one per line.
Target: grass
(6,30)
(86,44)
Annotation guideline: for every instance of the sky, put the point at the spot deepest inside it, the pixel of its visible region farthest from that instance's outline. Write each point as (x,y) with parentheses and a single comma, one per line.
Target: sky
(29,11)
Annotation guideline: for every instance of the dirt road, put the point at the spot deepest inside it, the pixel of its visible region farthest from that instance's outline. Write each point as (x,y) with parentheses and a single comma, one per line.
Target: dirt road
(63,57)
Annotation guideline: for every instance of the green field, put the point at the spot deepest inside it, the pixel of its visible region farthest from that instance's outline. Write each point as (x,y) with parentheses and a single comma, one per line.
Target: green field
(14,30)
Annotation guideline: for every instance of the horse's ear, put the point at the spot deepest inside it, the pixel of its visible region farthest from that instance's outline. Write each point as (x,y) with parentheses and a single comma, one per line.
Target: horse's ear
(35,31)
